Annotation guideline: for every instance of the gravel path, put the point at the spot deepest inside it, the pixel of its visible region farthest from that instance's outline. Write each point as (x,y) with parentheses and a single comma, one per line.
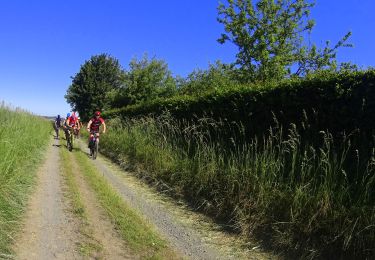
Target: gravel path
(185,240)
(110,243)
(52,232)
(49,229)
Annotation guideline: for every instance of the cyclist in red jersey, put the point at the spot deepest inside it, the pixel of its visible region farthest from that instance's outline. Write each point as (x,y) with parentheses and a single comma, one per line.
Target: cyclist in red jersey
(94,125)
(69,124)
(71,121)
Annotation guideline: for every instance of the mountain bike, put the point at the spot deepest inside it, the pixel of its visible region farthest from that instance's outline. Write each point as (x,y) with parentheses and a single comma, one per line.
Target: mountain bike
(69,139)
(94,144)
(76,132)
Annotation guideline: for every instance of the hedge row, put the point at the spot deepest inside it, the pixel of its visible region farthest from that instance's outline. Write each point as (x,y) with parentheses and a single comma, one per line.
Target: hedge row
(327,101)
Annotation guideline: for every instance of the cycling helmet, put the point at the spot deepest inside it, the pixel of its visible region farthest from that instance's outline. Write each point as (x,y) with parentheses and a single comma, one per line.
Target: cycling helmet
(67,115)
(97,113)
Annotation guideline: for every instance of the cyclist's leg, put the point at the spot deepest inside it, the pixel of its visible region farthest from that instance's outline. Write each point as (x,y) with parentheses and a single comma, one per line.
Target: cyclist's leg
(95,145)
(72,136)
(90,145)
(91,135)
(67,134)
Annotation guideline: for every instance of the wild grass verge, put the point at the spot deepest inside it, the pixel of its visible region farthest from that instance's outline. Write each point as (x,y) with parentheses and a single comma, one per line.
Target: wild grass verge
(304,200)
(23,139)
(133,229)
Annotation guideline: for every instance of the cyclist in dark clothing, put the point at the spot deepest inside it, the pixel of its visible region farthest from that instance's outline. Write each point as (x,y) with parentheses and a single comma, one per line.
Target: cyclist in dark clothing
(57,125)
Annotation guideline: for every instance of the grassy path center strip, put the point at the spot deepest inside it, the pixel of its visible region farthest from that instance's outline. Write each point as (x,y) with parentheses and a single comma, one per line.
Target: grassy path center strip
(88,246)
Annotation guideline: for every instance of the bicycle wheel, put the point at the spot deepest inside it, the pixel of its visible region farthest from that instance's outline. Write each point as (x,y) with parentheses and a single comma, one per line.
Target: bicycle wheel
(68,143)
(71,142)
(95,150)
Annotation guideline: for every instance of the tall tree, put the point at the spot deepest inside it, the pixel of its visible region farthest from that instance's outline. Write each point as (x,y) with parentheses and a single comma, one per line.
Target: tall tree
(145,80)
(89,88)
(270,37)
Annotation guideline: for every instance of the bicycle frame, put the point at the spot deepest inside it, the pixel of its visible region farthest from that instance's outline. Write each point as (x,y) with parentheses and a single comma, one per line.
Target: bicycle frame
(94,144)
(69,138)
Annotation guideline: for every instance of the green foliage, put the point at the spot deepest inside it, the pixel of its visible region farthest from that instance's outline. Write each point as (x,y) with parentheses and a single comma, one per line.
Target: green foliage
(145,80)
(216,77)
(23,138)
(270,37)
(97,76)
(335,101)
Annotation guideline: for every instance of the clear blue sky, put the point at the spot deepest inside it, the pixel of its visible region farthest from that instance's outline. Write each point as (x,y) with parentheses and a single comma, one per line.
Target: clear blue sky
(44,42)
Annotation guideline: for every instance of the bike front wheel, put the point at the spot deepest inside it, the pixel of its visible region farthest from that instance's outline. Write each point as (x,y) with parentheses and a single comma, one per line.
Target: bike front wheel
(68,144)
(71,142)
(95,150)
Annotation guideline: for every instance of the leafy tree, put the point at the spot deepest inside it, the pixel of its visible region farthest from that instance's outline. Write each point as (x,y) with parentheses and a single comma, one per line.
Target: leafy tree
(146,79)
(217,76)
(89,88)
(270,37)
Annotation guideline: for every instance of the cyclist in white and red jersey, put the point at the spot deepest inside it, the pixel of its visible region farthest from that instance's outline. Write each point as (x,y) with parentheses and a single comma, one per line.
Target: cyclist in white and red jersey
(71,120)
(94,126)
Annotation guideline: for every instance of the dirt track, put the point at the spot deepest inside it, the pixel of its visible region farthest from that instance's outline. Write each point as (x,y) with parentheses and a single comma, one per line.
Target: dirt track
(184,239)
(193,236)
(108,242)
(50,230)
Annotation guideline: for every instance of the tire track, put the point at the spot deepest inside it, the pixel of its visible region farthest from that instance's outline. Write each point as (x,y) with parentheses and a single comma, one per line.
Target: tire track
(111,245)
(186,240)
(50,230)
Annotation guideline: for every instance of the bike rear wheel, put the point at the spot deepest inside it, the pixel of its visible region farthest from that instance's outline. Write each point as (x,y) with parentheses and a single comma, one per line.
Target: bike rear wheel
(68,144)
(69,141)
(95,150)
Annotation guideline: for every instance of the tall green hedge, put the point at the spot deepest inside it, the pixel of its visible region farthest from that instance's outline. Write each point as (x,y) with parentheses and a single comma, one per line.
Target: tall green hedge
(336,102)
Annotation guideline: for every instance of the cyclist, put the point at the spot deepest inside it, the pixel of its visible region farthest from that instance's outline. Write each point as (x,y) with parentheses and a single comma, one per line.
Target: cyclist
(93,126)
(57,125)
(78,127)
(71,121)
(65,126)
(74,124)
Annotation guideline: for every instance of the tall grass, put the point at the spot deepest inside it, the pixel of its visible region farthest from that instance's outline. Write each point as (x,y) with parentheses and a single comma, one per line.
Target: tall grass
(304,200)
(22,139)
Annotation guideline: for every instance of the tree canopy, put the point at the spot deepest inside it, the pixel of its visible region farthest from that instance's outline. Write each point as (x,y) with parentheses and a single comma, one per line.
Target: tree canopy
(145,79)
(89,88)
(217,76)
(270,35)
